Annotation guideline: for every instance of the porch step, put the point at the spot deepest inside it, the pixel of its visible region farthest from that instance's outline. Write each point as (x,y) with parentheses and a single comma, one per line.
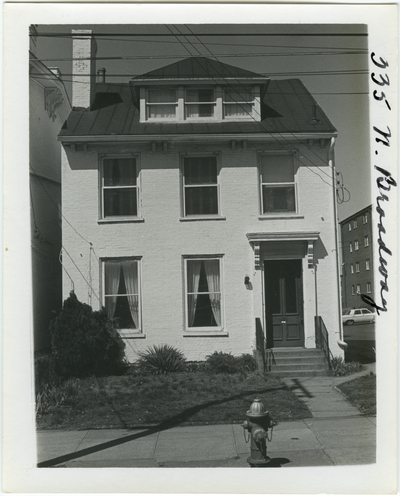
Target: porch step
(298,362)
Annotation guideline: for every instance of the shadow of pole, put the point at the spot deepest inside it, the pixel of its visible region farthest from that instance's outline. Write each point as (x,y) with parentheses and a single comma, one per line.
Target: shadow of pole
(169,423)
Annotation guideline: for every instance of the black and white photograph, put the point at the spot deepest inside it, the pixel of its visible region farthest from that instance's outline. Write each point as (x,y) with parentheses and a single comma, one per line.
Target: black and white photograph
(209,248)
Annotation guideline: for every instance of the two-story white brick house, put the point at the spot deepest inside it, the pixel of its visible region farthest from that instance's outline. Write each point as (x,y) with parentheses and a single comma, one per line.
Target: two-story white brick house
(199,205)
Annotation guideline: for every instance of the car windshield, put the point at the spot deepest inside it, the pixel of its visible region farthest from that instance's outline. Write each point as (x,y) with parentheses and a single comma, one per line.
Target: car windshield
(347,312)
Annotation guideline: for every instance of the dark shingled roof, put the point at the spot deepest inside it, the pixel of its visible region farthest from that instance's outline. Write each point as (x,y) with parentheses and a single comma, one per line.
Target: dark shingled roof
(198,67)
(287,107)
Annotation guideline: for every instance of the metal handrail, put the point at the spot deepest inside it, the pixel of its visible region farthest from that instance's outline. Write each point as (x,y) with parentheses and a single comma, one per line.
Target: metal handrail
(322,339)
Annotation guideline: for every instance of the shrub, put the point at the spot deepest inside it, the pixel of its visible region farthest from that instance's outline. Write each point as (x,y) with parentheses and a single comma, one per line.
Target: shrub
(45,371)
(225,363)
(163,359)
(193,367)
(340,368)
(85,342)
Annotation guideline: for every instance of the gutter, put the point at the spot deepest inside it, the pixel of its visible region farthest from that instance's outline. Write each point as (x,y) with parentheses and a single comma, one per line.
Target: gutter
(196,137)
(331,156)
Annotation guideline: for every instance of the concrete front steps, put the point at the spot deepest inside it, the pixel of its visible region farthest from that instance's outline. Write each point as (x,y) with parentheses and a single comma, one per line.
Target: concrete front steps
(298,362)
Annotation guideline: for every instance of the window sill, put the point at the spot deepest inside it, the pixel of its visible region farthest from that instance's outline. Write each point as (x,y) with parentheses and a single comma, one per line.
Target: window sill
(207,334)
(280,216)
(201,217)
(118,220)
(134,335)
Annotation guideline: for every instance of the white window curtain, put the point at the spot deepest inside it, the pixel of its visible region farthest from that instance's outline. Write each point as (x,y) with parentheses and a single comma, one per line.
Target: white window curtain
(130,270)
(212,274)
(112,277)
(193,278)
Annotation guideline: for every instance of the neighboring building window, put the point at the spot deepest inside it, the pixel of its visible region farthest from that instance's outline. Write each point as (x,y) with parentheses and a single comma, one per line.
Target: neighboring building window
(365,219)
(203,293)
(122,292)
(352,290)
(199,103)
(351,247)
(278,187)
(349,226)
(355,224)
(355,245)
(358,289)
(238,102)
(352,269)
(120,187)
(368,287)
(161,103)
(357,267)
(367,264)
(366,241)
(200,184)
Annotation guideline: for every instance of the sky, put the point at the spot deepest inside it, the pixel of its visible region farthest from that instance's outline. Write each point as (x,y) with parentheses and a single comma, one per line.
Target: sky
(331,60)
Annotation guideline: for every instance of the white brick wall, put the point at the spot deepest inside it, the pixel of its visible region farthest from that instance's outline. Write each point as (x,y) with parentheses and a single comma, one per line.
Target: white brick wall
(83,54)
(162,239)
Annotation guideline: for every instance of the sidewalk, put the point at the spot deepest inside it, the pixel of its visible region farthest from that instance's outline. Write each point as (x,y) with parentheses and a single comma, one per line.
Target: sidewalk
(336,435)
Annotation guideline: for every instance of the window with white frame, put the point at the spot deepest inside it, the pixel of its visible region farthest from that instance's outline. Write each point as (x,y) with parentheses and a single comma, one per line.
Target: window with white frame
(120,190)
(368,287)
(365,219)
(238,102)
(278,186)
(351,268)
(199,103)
(366,240)
(161,103)
(355,245)
(357,266)
(355,224)
(203,293)
(367,264)
(200,186)
(351,247)
(121,292)
(349,226)
(358,289)
(352,290)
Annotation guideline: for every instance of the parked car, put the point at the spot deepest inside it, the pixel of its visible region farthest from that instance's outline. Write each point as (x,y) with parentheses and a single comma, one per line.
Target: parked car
(358,315)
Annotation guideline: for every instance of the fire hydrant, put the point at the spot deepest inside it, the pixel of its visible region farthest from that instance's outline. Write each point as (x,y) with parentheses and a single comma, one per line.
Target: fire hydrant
(258,424)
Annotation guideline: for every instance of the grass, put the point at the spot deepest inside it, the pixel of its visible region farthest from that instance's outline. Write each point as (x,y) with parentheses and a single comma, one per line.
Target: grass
(361,393)
(176,399)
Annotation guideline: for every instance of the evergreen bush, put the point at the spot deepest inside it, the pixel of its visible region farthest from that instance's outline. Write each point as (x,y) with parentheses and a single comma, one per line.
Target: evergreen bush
(340,368)
(225,363)
(85,342)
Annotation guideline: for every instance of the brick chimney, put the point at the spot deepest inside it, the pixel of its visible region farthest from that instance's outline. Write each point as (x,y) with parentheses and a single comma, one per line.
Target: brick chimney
(83,67)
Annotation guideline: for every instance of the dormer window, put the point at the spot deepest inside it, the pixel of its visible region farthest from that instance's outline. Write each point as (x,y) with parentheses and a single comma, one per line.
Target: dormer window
(161,103)
(238,103)
(199,103)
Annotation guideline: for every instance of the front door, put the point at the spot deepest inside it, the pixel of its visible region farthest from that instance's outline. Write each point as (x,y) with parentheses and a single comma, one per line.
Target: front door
(284,303)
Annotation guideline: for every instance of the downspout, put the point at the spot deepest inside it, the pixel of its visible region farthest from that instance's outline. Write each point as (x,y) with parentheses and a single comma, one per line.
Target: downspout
(331,156)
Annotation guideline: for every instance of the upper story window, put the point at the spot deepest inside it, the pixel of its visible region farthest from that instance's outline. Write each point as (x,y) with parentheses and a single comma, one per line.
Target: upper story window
(368,287)
(358,289)
(366,241)
(199,103)
(121,293)
(200,186)
(355,245)
(367,264)
(351,247)
(161,103)
(355,224)
(238,102)
(119,183)
(365,219)
(349,226)
(351,268)
(357,266)
(278,187)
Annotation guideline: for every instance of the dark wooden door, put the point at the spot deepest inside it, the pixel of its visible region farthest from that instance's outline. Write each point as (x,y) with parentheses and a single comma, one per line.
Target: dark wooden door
(284,303)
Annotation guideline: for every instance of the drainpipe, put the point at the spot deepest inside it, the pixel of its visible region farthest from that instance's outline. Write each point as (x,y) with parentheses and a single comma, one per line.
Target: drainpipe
(331,156)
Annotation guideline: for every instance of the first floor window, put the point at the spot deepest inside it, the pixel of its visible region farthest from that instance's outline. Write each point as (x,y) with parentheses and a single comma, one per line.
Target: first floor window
(278,188)
(122,292)
(200,184)
(358,289)
(368,287)
(203,293)
(120,187)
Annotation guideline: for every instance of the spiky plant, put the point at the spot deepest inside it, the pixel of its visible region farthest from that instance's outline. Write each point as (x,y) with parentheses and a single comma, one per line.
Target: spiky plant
(162,359)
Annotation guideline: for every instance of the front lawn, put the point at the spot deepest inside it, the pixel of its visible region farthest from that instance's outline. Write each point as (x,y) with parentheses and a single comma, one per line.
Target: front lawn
(361,393)
(175,399)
